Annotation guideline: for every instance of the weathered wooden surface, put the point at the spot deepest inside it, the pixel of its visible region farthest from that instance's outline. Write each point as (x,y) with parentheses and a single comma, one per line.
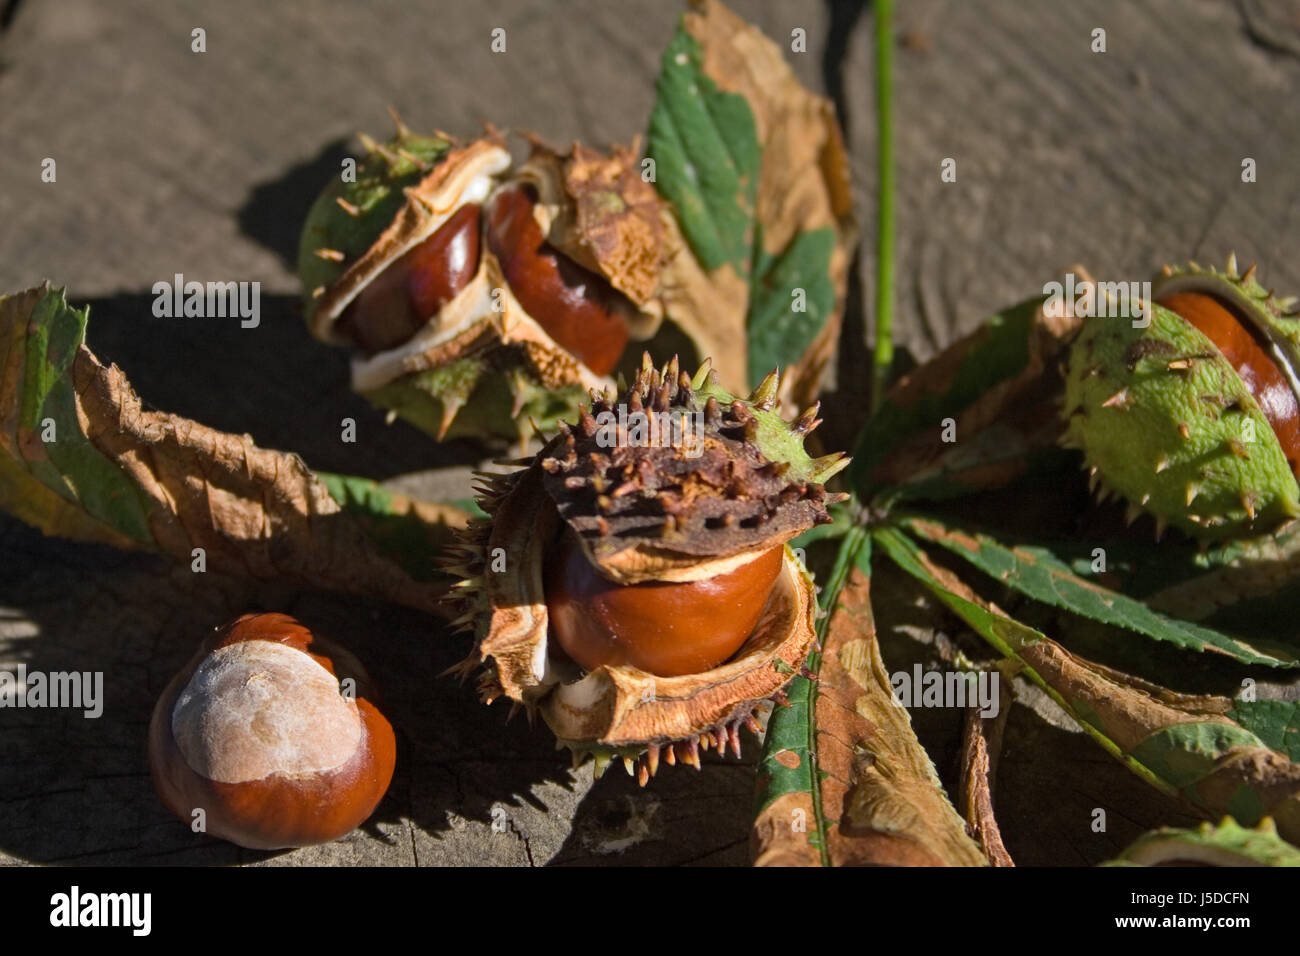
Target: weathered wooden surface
(203,164)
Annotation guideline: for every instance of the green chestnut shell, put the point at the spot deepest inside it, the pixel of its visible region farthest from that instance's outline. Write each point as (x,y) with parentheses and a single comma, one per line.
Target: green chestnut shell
(1165,421)
(1277,319)
(349,215)
(1228,844)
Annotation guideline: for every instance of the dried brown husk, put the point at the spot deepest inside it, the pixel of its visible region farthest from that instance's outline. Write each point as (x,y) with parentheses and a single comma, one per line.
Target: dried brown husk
(619,709)
(656,512)
(601,212)
(622,710)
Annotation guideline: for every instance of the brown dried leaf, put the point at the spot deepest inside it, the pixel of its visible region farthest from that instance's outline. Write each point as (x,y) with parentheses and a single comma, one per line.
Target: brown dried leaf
(803,186)
(618,218)
(880,796)
(253,511)
(1186,745)
(1024,409)
(981,745)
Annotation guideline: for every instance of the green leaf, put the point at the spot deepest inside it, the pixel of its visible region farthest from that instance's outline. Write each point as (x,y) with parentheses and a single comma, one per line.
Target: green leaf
(1185,581)
(705,147)
(1275,722)
(791,729)
(68,464)
(998,351)
(1008,637)
(777,333)
(1130,559)
(1184,753)
(1179,743)
(964,471)
(1039,574)
(843,759)
(411,533)
(1249,586)
(81,457)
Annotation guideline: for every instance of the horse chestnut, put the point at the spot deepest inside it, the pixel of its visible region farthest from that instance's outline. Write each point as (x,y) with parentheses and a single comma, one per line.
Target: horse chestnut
(637,590)
(402,298)
(255,732)
(666,628)
(577,308)
(1190,414)
(1241,345)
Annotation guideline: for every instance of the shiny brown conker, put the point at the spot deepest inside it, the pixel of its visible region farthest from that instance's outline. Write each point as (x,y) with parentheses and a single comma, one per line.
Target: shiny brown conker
(1243,347)
(272,731)
(411,290)
(669,629)
(576,307)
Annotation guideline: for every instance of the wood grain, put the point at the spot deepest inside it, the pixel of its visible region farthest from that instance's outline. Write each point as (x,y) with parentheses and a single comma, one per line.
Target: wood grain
(170,161)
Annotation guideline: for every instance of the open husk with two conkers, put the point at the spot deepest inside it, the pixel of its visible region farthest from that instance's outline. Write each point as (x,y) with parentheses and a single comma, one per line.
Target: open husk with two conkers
(479,296)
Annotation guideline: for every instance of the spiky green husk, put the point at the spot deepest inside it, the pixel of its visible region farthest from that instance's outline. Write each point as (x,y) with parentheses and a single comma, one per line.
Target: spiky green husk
(1228,844)
(366,209)
(1165,421)
(778,439)
(1278,318)
(476,396)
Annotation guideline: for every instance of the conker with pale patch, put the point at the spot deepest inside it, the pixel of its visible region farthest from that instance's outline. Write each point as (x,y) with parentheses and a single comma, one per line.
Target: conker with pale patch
(273,732)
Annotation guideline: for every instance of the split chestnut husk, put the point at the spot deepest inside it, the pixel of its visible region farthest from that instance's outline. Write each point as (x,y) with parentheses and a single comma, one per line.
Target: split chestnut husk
(478,296)
(632,582)
(1191,415)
